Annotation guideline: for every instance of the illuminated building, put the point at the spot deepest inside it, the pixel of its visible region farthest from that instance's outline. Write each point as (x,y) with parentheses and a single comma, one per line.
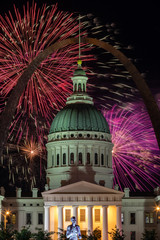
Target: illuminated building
(80,177)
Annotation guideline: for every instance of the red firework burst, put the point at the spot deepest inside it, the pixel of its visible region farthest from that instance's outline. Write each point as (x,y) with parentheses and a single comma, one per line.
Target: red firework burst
(21,39)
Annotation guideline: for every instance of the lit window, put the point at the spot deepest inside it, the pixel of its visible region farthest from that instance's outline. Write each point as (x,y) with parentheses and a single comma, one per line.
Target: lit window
(82,215)
(67,215)
(132,218)
(64,158)
(40,218)
(28,218)
(97,215)
(13,218)
(149,217)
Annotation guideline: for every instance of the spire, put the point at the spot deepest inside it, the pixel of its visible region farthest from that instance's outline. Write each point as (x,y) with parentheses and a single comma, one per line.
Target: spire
(79,82)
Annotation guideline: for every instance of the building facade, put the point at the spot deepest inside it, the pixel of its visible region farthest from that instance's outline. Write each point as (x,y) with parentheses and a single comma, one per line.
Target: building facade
(80,178)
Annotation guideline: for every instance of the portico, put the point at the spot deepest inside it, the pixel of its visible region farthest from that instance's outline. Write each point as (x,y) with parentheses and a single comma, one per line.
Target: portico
(92,205)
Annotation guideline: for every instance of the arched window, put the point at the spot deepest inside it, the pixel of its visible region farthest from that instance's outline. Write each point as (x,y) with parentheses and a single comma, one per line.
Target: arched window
(79,87)
(75,89)
(96,158)
(102,159)
(64,158)
(52,160)
(58,159)
(80,158)
(83,87)
(88,158)
(72,158)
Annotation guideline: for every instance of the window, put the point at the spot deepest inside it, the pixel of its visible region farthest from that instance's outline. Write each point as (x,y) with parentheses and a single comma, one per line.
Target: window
(133,235)
(96,158)
(13,218)
(52,160)
(28,219)
(97,215)
(122,218)
(72,158)
(40,218)
(88,158)
(75,89)
(132,218)
(58,159)
(82,215)
(67,215)
(101,182)
(80,158)
(79,87)
(64,158)
(102,159)
(149,217)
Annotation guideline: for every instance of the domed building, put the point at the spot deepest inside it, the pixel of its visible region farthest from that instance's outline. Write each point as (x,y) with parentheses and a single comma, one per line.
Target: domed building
(79,142)
(79,170)
(80,178)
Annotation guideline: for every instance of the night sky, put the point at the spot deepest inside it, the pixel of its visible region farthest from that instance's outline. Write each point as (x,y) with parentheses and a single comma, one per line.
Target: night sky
(138,22)
(138,25)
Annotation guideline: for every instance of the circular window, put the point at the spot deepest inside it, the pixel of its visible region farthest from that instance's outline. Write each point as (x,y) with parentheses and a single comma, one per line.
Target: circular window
(88,135)
(102,136)
(57,136)
(95,136)
(72,135)
(80,135)
(64,136)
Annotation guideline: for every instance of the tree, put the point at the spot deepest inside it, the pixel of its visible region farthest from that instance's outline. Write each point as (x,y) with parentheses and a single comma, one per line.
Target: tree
(24,234)
(149,235)
(6,234)
(117,234)
(42,235)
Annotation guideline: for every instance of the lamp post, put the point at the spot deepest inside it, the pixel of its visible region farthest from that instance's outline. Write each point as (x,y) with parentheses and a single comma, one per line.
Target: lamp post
(5,214)
(157,211)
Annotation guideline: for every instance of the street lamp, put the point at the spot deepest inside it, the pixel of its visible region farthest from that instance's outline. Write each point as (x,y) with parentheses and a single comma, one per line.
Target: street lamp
(157,211)
(5,214)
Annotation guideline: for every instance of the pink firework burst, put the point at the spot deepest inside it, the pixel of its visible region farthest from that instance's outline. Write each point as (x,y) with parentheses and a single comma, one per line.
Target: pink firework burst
(22,38)
(136,156)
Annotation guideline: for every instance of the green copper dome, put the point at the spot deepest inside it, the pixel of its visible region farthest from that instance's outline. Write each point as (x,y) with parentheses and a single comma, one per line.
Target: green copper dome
(83,117)
(79,72)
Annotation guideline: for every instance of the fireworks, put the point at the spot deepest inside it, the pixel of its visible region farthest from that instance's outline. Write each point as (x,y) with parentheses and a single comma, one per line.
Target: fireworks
(22,38)
(135,153)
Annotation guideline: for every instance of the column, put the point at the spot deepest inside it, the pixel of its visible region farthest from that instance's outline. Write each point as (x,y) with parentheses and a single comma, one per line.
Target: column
(119,223)
(60,217)
(105,223)
(46,218)
(90,219)
(75,212)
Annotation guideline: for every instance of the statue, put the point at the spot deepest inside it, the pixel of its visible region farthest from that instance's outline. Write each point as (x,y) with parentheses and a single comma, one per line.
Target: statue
(73,230)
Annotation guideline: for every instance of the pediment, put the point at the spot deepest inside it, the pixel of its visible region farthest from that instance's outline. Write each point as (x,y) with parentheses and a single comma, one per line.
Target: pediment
(82,187)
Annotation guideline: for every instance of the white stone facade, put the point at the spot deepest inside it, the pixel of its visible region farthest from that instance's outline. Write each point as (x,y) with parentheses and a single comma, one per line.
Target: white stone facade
(60,168)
